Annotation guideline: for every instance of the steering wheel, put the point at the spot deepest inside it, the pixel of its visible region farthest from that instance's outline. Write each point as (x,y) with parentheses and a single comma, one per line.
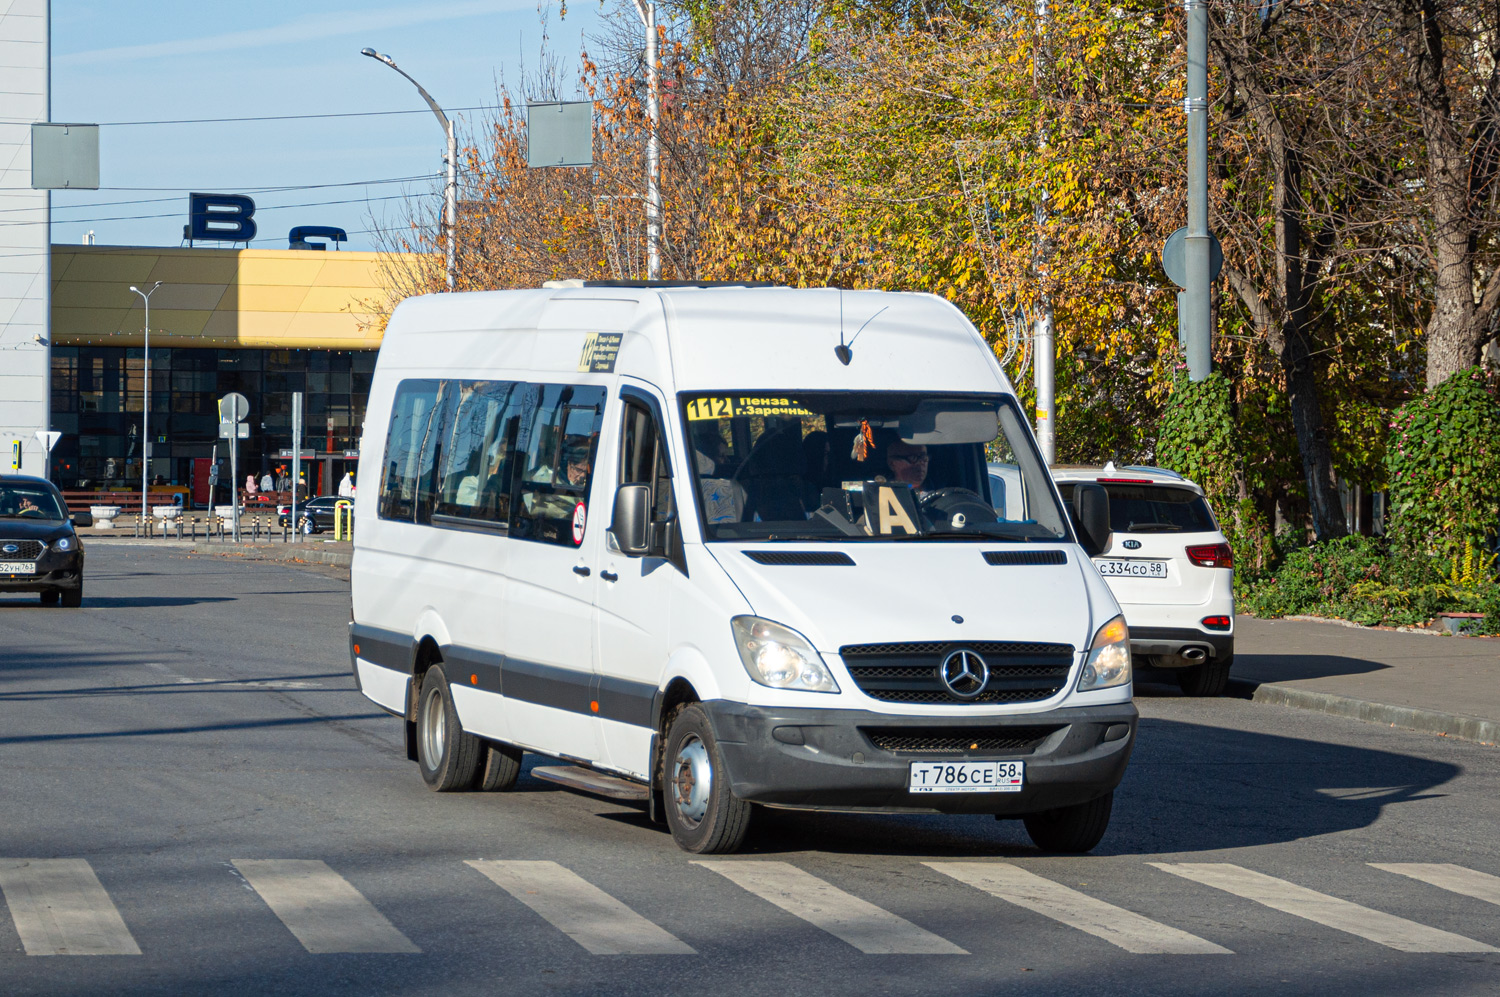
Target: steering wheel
(945,503)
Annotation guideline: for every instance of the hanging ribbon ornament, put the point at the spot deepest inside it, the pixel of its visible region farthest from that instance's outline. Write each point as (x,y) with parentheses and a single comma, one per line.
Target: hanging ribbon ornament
(864,440)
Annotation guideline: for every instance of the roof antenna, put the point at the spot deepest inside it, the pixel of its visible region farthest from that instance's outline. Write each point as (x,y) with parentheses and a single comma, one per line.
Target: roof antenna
(841,351)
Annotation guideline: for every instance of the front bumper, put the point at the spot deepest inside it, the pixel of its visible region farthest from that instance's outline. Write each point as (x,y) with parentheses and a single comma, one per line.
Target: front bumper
(839,767)
(55,570)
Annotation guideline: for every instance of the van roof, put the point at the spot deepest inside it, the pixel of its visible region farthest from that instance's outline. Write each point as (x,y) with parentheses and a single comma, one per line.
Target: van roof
(709,336)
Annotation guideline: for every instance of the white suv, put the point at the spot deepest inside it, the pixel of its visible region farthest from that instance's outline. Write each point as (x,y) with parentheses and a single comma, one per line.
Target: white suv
(1170,569)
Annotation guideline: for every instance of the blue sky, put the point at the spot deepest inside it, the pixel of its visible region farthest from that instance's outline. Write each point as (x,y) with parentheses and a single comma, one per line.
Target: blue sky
(115,61)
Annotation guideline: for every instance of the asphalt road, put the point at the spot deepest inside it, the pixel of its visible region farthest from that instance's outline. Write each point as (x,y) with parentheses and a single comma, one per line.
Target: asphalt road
(189,774)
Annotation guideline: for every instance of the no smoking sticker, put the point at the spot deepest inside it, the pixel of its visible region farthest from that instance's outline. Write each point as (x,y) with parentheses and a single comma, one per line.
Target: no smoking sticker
(579,516)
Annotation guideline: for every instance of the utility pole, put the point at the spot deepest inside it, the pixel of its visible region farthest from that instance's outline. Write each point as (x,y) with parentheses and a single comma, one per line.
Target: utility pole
(1197,246)
(1044,343)
(146,404)
(647,10)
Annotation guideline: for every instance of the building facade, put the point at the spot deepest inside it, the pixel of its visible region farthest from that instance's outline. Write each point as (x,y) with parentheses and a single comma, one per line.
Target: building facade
(264,323)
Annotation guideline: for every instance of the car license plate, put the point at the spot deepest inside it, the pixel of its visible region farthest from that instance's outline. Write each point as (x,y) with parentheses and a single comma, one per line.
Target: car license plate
(966,777)
(17,568)
(1112,568)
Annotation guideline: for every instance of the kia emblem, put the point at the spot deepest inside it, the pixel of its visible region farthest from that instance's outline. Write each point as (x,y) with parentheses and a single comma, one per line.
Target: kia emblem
(1131,545)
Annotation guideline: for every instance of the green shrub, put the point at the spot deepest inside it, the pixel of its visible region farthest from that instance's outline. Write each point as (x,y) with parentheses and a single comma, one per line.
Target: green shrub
(1443,461)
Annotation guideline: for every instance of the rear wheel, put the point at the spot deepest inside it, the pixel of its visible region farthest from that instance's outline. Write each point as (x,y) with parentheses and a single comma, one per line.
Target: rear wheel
(1207,679)
(447,756)
(702,811)
(1073,830)
(73,598)
(308,526)
(499,767)
(50,597)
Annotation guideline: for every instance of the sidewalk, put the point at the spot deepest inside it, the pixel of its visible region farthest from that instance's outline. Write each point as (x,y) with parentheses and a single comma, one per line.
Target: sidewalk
(309,550)
(1439,684)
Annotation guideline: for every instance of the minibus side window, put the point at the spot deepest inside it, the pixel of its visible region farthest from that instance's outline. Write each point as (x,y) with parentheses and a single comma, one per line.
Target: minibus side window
(476,475)
(432,451)
(411,416)
(643,459)
(556,445)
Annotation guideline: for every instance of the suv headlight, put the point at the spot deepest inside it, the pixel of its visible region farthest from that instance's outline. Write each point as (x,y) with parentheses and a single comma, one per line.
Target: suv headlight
(1108,663)
(63,543)
(779,656)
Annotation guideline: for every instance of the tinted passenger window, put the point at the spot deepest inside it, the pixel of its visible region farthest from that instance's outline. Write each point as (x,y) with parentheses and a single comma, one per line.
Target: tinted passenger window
(556,443)
(643,458)
(411,418)
(1154,509)
(477,474)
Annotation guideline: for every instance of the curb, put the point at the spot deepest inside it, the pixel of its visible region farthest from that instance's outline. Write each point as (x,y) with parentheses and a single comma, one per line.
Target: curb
(302,554)
(1428,721)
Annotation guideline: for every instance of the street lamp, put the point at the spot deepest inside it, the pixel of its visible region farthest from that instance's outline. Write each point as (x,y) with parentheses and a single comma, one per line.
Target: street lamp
(146,405)
(647,10)
(451,186)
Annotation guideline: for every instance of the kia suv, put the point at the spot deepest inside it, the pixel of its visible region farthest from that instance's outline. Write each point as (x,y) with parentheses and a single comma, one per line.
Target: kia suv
(1170,569)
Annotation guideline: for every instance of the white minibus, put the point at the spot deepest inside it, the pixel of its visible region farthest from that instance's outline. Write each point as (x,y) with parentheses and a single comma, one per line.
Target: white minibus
(724,547)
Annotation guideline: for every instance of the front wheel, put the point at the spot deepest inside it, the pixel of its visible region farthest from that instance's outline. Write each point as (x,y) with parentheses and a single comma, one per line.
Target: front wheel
(1072,830)
(447,756)
(702,811)
(308,526)
(1208,679)
(73,598)
(49,597)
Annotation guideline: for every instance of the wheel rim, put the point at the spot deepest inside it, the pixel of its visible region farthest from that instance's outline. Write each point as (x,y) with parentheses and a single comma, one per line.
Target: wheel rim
(434,729)
(692,779)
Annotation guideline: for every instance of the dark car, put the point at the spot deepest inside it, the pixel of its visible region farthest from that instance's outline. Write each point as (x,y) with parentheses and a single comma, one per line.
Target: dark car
(39,550)
(313,517)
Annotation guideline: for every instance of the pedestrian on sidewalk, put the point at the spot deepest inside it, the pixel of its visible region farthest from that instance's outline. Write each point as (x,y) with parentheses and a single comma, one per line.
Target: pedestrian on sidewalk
(346,486)
(266,483)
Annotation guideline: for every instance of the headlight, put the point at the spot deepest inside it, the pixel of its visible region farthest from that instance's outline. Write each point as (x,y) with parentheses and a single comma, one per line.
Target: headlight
(779,656)
(66,543)
(1108,663)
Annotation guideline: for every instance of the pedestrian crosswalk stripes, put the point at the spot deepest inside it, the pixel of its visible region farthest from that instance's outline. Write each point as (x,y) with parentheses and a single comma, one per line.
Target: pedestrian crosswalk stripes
(1128,930)
(1320,908)
(580,910)
(60,908)
(1446,876)
(871,929)
(321,908)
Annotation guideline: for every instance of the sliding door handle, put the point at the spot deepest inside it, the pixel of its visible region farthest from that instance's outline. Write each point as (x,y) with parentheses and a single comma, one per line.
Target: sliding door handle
(579,569)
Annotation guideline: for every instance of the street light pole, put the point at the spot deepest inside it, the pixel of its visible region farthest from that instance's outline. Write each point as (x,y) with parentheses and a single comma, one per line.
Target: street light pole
(1197,247)
(450,187)
(146,405)
(647,10)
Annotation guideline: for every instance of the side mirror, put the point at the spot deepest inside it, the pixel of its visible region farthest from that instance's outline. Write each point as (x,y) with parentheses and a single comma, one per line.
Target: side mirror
(82,519)
(1091,517)
(632,520)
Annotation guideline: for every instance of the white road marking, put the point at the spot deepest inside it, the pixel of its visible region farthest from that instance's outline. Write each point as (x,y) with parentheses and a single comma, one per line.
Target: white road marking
(1130,931)
(1342,915)
(60,908)
(1446,876)
(869,928)
(582,911)
(321,908)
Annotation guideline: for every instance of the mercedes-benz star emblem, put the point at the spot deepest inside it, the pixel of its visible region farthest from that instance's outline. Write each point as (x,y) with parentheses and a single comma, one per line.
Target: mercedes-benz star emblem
(964,673)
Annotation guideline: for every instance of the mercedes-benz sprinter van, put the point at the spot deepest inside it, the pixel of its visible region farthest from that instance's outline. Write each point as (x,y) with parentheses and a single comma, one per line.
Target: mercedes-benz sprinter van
(726,547)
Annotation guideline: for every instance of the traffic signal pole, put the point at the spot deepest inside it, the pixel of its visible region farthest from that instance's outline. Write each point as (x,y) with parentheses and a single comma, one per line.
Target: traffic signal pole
(1195,300)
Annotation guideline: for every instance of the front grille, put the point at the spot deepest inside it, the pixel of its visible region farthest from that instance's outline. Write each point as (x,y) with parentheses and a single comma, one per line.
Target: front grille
(958,741)
(909,673)
(27,550)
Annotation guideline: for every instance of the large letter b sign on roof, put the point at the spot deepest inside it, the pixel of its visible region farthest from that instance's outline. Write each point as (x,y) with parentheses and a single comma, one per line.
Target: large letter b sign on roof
(221,217)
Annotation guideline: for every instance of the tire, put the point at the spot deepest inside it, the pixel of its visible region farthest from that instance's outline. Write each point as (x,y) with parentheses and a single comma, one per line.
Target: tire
(1207,679)
(499,767)
(447,756)
(72,598)
(308,526)
(50,597)
(705,821)
(1071,830)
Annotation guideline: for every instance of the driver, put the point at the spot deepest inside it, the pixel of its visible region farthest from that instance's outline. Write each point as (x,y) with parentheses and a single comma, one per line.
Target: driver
(908,464)
(28,507)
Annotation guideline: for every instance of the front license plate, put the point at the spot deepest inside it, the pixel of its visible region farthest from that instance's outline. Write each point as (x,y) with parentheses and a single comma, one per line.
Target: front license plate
(966,777)
(1131,569)
(17,568)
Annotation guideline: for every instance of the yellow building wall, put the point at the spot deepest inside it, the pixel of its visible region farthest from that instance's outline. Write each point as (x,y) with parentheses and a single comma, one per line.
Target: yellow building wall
(247,298)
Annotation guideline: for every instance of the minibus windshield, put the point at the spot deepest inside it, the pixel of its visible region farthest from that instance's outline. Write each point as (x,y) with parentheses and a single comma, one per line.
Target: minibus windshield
(868,466)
